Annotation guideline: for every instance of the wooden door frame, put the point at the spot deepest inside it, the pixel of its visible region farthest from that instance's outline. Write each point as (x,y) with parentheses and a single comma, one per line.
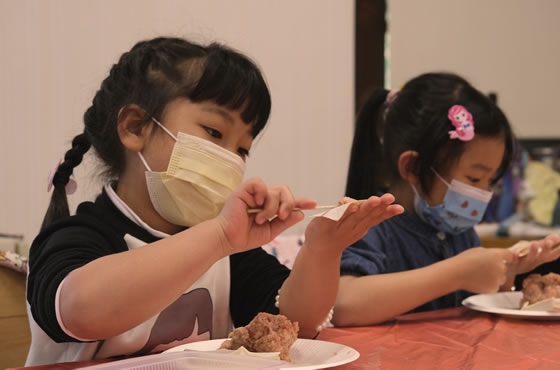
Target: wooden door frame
(369,38)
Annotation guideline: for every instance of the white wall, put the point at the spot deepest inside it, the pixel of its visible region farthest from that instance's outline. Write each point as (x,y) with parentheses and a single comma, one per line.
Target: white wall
(508,46)
(55,53)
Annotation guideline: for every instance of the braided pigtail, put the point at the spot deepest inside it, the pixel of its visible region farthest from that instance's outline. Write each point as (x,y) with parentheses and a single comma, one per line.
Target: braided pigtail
(58,206)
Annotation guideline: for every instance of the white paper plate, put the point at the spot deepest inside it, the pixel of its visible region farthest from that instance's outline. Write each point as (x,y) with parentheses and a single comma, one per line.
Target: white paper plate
(506,304)
(191,360)
(305,354)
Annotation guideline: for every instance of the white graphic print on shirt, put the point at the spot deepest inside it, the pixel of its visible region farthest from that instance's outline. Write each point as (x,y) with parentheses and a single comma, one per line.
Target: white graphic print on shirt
(201,313)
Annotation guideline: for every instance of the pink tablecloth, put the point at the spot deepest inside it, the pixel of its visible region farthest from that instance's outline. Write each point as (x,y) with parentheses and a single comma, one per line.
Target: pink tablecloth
(453,339)
(446,339)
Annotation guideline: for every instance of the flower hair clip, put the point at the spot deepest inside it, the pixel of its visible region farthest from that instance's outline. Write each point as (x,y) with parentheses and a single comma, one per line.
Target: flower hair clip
(463,121)
(70,187)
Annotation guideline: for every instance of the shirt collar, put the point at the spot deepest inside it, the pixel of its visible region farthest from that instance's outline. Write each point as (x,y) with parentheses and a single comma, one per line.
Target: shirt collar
(129,213)
(414,224)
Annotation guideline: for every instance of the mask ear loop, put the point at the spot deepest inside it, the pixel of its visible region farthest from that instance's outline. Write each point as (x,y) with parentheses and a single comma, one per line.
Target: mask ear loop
(144,161)
(166,131)
(440,177)
(164,128)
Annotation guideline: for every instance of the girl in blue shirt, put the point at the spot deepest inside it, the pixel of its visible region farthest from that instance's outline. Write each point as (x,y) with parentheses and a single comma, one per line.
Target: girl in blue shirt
(438,145)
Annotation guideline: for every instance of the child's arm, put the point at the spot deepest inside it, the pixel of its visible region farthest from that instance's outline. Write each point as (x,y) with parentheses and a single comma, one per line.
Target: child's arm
(374,299)
(117,292)
(310,291)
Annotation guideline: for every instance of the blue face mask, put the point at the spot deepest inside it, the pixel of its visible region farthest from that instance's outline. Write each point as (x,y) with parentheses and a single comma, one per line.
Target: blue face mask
(463,207)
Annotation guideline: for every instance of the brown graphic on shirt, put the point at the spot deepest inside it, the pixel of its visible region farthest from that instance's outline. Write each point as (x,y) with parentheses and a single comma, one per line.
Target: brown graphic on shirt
(178,321)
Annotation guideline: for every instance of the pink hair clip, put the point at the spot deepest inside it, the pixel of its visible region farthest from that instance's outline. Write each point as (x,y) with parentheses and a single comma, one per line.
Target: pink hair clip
(463,121)
(70,187)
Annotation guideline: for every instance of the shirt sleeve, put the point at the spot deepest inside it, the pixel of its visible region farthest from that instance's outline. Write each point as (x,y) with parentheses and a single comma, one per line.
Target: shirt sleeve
(365,257)
(51,259)
(256,277)
(475,238)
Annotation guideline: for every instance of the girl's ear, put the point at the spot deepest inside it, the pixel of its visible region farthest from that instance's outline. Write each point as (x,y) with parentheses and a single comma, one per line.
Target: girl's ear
(407,166)
(132,128)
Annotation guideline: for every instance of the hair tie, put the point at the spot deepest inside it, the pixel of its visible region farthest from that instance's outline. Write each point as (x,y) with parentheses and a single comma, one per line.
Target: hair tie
(463,121)
(70,185)
(391,96)
(389,99)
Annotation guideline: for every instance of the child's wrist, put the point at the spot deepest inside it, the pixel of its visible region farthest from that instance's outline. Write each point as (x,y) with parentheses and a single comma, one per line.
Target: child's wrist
(509,285)
(225,247)
(324,251)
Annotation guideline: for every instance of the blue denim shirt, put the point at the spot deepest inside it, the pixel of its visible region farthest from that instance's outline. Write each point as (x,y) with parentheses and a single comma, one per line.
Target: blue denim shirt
(404,243)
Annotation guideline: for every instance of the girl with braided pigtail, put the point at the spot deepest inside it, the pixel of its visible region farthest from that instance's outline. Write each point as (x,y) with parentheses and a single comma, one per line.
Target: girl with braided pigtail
(169,253)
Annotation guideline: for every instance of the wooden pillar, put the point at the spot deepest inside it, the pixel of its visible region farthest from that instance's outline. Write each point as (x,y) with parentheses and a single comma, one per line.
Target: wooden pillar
(369,47)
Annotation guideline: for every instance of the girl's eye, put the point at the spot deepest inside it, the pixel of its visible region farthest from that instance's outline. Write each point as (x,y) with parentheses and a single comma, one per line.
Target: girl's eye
(214,133)
(473,180)
(494,185)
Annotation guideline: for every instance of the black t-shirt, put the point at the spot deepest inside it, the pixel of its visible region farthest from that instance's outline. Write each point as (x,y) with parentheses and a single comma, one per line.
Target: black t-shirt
(99,229)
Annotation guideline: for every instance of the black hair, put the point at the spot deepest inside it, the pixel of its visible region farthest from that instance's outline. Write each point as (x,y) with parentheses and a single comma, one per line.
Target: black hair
(153,73)
(417,119)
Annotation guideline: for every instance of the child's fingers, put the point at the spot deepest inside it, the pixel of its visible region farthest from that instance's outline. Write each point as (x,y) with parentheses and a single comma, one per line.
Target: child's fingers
(346,200)
(378,216)
(393,210)
(388,198)
(286,203)
(269,208)
(372,211)
(553,253)
(367,205)
(379,207)
(279,201)
(278,225)
(253,192)
(305,203)
(546,248)
(552,240)
(257,195)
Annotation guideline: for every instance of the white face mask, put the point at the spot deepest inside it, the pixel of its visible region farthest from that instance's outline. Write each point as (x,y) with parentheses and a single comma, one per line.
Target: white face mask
(199,178)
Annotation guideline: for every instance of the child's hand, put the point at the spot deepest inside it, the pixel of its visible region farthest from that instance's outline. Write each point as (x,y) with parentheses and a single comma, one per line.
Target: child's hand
(539,252)
(243,231)
(326,235)
(482,270)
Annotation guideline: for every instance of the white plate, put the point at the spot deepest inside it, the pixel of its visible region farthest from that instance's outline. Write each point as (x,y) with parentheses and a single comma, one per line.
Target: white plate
(305,354)
(506,304)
